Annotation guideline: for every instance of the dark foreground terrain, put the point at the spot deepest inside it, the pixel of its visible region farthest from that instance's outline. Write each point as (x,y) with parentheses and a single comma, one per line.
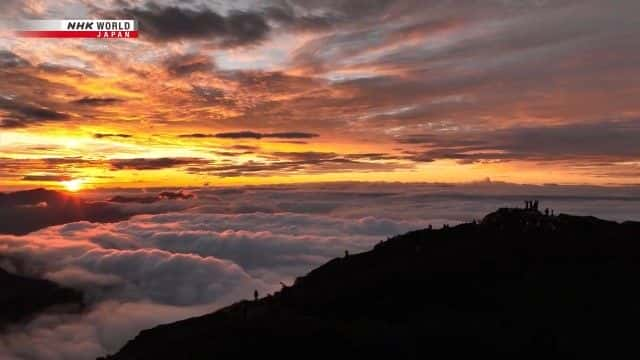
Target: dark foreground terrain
(519,284)
(21,298)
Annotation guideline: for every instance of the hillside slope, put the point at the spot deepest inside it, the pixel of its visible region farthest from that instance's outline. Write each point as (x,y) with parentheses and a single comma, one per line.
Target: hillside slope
(518,283)
(22,297)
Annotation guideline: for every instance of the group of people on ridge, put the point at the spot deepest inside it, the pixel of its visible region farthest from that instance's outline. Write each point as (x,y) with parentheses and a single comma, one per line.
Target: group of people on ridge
(533,205)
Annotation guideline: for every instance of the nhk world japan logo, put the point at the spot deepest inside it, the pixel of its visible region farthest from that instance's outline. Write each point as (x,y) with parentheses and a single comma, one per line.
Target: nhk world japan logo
(87,29)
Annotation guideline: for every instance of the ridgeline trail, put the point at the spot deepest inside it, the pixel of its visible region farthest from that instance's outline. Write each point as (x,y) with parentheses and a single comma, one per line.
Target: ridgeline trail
(518,284)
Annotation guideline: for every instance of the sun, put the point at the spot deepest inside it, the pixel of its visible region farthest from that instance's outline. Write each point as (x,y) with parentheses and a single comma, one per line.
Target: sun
(73,185)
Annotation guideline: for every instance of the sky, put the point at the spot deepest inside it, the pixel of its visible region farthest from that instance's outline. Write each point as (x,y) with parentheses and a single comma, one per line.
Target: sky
(292,91)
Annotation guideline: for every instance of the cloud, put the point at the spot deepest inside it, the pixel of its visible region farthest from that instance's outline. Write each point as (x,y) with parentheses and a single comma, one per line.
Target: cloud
(278,135)
(131,250)
(11,9)
(131,283)
(56,178)
(175,23)
(12,124)
(238,28)
(153,269)
(155,163)
(26,211)
(17,168)
(134,199)
(606,140)
(260,240)
(253,135)
(197,136)
(164,277)
(165,195)
(307,156)
(182,65)
(286,15)
(100,331)
(97,101)
(172,195)
(124,274)
(9,60)
(302,162)
(104,135)
(381,70)
(24,114)
(244,147)
(323,15)
(213,96)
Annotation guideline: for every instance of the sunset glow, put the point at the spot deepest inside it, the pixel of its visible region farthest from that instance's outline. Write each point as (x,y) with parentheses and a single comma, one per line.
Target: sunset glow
(424,100)
(73,185)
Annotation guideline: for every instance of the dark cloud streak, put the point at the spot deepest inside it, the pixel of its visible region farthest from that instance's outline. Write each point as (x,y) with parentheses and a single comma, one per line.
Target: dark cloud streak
(24,114)
(182,65)
(103,135)
(55,178)
(607,140)
(9,59)
(175,23)
(253,135)
(97,101)
(154,163)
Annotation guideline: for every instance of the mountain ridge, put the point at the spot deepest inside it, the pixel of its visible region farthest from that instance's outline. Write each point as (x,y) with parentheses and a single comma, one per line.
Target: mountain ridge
(519,282)
(23,297)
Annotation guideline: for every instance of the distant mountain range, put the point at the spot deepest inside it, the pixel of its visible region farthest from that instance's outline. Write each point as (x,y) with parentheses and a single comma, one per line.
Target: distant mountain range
(518,284)
(22,297)
(22,212)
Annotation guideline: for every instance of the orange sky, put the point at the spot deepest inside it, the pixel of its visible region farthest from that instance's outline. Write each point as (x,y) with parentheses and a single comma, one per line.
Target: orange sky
(257,93)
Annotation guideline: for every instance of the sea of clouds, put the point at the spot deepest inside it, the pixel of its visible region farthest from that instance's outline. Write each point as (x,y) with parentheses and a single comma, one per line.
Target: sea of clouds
(186,257)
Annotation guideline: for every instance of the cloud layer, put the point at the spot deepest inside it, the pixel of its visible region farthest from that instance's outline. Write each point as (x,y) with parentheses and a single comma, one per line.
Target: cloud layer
(220,244)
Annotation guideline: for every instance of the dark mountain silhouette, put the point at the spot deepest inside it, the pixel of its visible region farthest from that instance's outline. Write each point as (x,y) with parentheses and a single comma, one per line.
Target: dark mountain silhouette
(519,284)
(23,297)
(134,199)
(165,195)
(34,197)
(22,212)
